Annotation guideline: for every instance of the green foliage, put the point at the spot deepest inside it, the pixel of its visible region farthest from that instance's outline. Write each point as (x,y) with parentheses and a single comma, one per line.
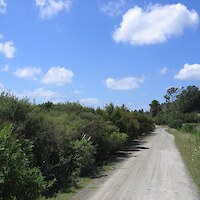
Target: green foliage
(117,140)
(193,128)
(146,124)
(12,109)
(132,123)
(63,140)
(83,154)
(171,94)
(189,100)
(175,120)
(182,106)
(177,123)
(155,108)
(188,127)
(18,180)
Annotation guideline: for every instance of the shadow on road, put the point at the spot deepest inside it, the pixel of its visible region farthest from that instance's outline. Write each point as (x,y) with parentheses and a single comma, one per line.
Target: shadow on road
(126,152)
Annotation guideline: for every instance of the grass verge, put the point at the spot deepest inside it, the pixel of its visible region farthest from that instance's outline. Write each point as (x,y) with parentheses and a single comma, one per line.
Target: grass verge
(189,147)
(70,192)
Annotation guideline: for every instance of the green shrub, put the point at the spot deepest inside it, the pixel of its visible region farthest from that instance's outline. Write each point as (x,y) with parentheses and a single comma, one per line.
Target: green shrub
(188,127)
(83,154)
(117,140)
(18,179)
(175,119)
(50,136)
(177,123)
(12,109)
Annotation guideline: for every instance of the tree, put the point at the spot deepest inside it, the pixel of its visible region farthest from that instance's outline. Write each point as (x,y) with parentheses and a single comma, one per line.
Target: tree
(172,93)
(155,108)
(47,106)
(189,100)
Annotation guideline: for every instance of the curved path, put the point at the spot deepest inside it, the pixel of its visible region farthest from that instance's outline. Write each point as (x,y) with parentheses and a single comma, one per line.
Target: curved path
(154,171)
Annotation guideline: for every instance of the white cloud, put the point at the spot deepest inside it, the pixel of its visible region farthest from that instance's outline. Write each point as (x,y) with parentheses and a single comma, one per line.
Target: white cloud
(77,92)
(5,68)
(189,72)
(3,6)
(1,87)
(164,70)
(58,76)
(8,49)
(40,93)
(126,83)
(154,25)
(28,72)
(48,8)
(113,8)
(91,102)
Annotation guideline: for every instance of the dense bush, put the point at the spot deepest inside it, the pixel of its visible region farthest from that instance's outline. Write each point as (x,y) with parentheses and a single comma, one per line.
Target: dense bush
(83,155)
(12,109)
(188,127)
(175,120)
(193,128)
(176,123)
(189,100)
(59,142)
(117,140)
(181,106)
(18,179)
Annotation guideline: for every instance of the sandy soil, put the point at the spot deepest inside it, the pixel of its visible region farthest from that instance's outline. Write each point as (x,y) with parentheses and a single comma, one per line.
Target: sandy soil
(154,170)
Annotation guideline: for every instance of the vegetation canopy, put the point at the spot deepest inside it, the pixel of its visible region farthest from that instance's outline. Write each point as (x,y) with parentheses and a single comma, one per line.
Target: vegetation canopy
(45,148)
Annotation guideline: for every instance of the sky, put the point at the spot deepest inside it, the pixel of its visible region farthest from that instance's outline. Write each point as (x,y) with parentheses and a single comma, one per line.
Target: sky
(98,51)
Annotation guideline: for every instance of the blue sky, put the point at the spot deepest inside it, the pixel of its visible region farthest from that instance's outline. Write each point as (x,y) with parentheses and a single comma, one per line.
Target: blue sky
(98,51)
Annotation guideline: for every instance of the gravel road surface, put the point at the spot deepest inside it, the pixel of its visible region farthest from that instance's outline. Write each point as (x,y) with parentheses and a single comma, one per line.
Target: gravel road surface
(154,171)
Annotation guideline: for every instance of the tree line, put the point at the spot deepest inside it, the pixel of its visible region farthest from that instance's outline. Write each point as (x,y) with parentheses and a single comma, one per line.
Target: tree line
(181,106)
(47,147)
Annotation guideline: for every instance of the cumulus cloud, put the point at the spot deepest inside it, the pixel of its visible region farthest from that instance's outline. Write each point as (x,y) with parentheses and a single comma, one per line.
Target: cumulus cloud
(91,102)
(113,8)
(3,6)
(189,72)
(154,25)
(28,72)
(58,76)
(164,70)
(126,83)
(8,49)
(49,8)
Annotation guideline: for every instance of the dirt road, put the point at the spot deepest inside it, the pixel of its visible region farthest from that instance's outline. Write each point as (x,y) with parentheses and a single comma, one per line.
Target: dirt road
(154,171)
